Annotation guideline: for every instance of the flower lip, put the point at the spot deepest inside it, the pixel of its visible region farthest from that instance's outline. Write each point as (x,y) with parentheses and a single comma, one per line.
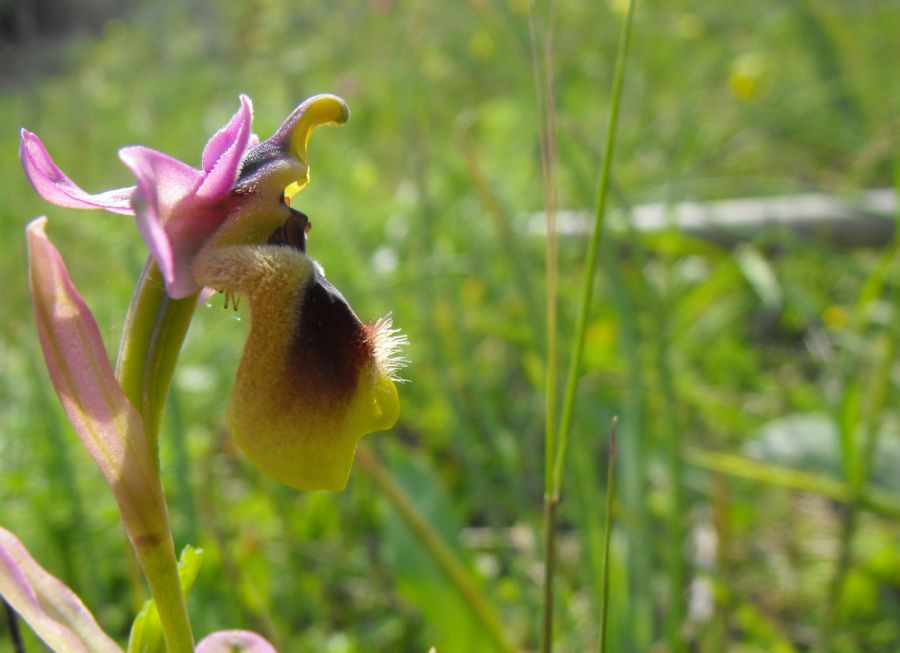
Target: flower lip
(330,346)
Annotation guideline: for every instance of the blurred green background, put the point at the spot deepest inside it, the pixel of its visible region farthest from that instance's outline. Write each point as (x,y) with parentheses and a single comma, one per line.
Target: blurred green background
(758,503)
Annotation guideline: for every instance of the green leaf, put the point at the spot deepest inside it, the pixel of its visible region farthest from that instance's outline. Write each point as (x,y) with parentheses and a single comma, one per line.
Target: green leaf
(146,632)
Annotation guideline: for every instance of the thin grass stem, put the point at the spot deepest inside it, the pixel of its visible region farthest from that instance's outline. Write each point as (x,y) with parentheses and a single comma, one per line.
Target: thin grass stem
(543,94)
(550,507)
(587,290)
(786,478)
(556,441)
(857,414)
(439,550)
(15,634)
(607,536)
(543,87)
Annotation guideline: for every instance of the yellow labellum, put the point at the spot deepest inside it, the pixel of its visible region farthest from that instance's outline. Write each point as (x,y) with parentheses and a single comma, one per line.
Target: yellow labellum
(312,379)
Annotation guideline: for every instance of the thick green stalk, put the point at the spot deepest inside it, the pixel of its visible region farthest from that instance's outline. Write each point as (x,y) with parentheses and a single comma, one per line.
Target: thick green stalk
(157,558)
(442,554)
(154,331)
(138,331)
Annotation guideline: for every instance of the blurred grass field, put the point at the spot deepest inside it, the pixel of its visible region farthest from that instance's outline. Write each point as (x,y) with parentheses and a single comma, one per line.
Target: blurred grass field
(756,386)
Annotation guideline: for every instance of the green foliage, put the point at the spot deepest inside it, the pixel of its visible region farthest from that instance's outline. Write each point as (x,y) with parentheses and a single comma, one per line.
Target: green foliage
(146,634)
(421,206)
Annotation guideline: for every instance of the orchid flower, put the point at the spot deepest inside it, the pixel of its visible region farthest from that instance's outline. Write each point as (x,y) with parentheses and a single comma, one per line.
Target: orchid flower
(177,207)
(313,378)
(61,620)
(312,381)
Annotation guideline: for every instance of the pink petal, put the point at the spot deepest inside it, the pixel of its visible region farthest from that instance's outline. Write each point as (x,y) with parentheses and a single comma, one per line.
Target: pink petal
(164,197)
(234,641)
(106,423)
(52,610)
(224,151)
(55,187)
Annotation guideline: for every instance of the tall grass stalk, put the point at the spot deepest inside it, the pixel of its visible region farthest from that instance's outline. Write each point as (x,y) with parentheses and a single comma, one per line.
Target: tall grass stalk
(862,404)
(556,441)
(671,432)
(12,624)
(542,72)
(587,289)
(879,503)
(508,240)
(633,467)
(607,536)
(439,550)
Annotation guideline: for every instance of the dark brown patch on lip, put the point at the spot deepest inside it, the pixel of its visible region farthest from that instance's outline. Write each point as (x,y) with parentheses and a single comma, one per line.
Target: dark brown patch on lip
(293,232)
(330,345)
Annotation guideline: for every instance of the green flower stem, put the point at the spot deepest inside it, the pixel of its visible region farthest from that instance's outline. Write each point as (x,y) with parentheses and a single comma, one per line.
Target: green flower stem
(154,331)
(442,554)
(157,558)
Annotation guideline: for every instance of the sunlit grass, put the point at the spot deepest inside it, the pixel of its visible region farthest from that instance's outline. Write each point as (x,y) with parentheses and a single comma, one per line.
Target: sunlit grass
(421,206)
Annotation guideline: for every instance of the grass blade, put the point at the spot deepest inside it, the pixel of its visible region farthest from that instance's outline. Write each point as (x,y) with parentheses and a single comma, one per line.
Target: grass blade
(556,441)
(610,497)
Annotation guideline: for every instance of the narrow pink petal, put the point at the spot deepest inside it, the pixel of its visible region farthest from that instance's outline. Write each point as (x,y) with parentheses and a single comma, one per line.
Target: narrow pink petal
(234,641)
(223,139)
(51,609)
(106,423)
(54,186)
(165,193)
(222,155)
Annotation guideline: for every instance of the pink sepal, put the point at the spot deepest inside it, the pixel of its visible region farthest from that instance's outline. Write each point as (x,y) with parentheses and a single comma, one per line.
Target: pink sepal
(52,610)
(54,186)
(105,421)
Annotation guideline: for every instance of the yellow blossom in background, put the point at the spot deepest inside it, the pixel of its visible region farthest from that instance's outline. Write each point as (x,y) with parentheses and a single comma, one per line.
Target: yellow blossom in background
(747,76)
(835,317)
